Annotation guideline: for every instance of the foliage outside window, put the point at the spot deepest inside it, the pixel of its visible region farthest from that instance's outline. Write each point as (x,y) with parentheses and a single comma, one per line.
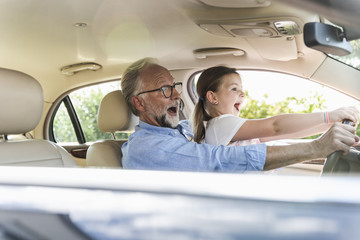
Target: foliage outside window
(86,102)
(255,109)
(352,59)
(63,128)
(297,96)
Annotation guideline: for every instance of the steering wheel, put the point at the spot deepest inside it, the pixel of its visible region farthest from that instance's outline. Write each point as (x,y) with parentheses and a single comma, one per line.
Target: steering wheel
(331,162)
(333,159)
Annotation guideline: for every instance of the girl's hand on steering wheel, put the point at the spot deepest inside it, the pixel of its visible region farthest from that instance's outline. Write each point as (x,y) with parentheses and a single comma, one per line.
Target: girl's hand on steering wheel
(344,113)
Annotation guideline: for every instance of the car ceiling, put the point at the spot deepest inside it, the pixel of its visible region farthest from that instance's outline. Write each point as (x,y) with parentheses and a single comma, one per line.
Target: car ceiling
(39,37)
(344,13)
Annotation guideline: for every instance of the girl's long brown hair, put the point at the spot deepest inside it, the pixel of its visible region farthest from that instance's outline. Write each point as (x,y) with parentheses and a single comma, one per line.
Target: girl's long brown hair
(209,80)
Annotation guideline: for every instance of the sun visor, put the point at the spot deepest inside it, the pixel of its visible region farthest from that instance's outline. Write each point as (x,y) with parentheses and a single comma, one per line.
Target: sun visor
(280,49)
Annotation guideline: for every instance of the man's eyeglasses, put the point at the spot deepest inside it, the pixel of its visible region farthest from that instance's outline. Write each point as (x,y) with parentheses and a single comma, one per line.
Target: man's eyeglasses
(167,90)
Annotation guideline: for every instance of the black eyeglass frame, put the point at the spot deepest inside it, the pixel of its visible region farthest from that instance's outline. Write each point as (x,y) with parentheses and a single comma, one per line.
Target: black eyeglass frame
(162,90)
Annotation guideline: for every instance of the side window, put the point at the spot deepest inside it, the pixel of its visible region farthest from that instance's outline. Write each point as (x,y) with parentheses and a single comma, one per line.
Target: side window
(271,93)
(75,119)
(63,128)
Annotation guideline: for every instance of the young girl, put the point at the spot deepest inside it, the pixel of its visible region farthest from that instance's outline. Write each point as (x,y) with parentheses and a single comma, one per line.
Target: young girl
(220,96)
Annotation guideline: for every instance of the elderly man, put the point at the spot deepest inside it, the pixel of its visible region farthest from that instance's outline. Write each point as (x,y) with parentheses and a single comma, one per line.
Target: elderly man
(161,142)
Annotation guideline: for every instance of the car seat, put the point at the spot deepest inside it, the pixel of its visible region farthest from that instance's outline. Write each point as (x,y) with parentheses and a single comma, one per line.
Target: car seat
(21,107)
(113,115)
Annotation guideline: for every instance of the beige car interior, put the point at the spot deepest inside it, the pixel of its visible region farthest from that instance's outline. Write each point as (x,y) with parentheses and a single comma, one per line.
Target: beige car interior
(96,43)
(113,116)
(21,107)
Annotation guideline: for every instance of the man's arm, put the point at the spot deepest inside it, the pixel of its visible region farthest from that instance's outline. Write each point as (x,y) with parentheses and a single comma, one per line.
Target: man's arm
(172,151)
(338,137)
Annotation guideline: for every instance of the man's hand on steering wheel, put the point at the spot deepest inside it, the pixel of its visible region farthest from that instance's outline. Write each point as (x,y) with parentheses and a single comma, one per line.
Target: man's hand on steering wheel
(339,137)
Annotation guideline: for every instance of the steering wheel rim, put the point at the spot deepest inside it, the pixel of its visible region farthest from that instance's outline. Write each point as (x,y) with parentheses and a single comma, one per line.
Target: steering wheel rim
(330,162)
(333,158)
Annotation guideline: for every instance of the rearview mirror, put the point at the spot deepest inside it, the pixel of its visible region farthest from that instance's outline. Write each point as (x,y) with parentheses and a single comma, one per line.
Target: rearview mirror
(326,38)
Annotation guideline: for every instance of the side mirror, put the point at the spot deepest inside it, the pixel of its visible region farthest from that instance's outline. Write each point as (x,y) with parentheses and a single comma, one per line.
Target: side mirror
(326,38)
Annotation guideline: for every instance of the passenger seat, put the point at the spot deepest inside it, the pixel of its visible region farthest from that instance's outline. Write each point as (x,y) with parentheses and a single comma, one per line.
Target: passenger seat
(113,115)
(21,107)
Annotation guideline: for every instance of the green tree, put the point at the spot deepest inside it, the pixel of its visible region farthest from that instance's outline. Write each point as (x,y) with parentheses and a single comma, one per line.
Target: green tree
(63,129)
(261,109)
(86,104)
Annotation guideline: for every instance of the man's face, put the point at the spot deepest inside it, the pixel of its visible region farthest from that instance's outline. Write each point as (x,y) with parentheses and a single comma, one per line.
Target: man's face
(158,110)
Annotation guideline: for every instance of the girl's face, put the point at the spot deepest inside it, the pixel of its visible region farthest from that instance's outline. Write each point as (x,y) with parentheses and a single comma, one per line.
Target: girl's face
(230,95)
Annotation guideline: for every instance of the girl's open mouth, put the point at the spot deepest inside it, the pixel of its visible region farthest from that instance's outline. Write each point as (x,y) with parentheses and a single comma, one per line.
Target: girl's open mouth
(237,106)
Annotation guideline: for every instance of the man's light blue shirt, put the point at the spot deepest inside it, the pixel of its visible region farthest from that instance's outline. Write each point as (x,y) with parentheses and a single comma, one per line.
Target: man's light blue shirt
(159,148)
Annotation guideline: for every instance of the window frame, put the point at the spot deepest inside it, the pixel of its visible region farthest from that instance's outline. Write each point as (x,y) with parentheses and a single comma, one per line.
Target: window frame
(48,130)
(73,117)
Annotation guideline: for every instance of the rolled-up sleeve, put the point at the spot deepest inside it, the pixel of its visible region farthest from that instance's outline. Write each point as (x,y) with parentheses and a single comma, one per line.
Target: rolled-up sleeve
(245,158)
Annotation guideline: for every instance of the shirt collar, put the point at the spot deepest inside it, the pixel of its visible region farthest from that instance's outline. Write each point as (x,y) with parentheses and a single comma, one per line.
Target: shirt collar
(181,128)
(153,128)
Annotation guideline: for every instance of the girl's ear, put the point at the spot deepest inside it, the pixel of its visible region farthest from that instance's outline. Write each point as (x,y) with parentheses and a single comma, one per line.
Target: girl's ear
(138,103)
(211,97)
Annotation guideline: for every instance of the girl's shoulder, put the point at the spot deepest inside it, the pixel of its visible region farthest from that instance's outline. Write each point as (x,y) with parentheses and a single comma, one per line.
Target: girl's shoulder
(227,119)
(220,130)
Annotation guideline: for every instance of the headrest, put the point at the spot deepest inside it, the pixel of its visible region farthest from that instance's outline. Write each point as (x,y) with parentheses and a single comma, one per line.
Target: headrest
(21,102)
(114,114)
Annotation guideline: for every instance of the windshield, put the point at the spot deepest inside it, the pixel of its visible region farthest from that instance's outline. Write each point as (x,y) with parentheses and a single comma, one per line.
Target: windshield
(352,59)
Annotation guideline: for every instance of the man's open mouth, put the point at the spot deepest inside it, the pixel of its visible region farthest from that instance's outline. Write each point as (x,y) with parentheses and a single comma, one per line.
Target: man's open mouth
(172,111)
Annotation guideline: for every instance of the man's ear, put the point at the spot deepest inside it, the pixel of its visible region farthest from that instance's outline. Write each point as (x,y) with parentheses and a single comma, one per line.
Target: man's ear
(138,103)
(211,97)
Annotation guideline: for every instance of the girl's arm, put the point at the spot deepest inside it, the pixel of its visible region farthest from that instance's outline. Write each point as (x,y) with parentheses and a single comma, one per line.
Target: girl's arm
(301,134)
(293,125)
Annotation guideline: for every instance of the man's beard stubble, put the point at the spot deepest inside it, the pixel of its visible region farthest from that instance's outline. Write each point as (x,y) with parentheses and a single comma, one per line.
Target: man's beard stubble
(163,122)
